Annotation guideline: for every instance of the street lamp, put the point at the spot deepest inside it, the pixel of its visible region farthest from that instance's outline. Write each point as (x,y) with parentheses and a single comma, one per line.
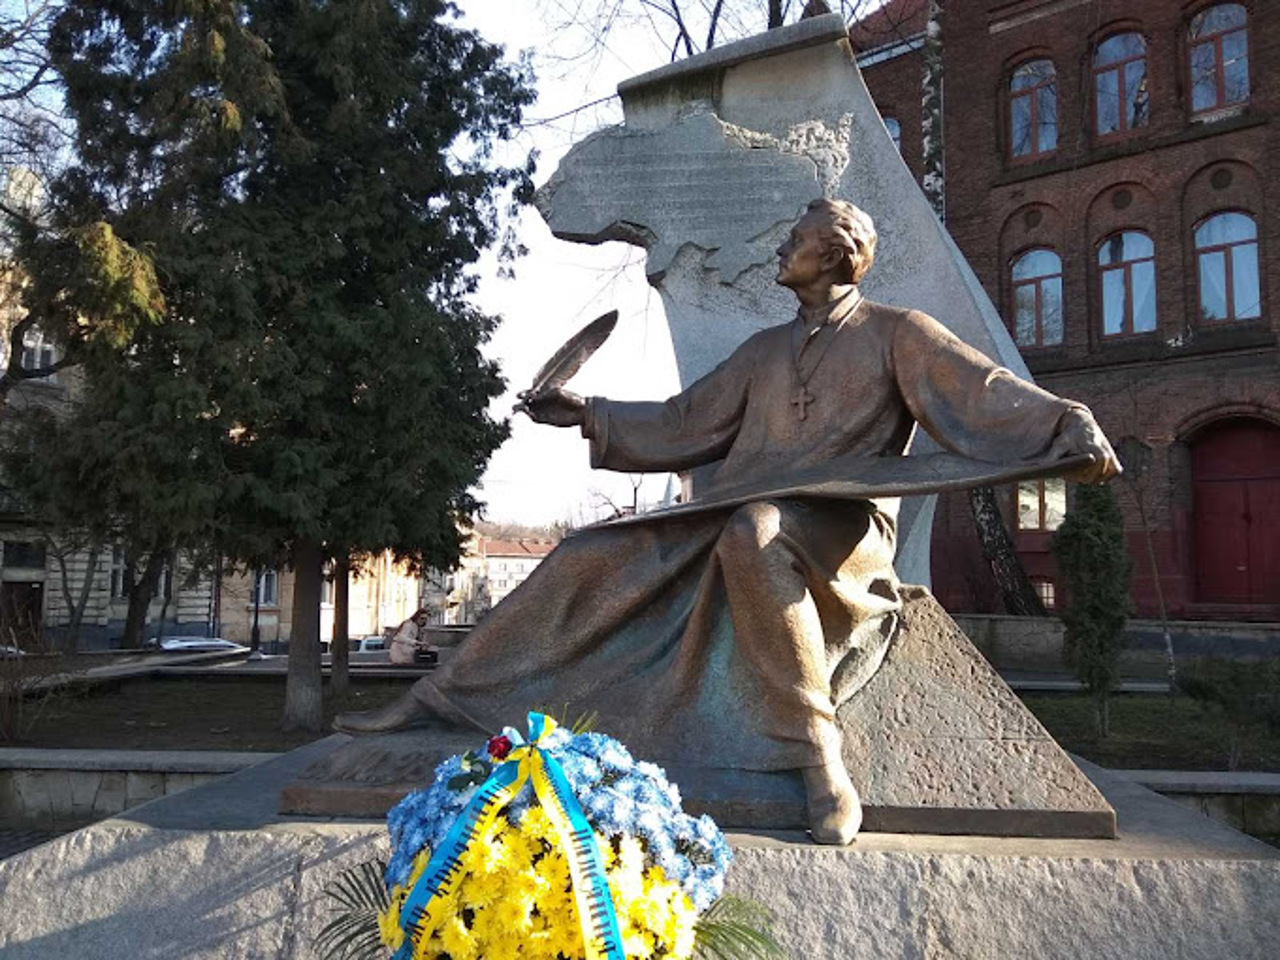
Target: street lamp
(255,634)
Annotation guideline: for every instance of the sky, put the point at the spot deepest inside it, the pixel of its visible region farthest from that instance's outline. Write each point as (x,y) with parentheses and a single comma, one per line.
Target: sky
(541,475)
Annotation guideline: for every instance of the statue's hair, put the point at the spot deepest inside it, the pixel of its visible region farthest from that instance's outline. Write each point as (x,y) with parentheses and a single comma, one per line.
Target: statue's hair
(850,229)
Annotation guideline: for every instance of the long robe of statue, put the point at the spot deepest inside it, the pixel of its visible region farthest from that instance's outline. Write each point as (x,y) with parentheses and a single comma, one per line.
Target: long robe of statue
(728,639)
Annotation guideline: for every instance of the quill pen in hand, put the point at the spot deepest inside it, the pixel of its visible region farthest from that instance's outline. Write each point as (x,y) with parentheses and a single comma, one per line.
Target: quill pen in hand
(568,360)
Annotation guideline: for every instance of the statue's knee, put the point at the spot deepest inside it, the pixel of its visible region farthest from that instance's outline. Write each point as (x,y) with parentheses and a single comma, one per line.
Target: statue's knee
(750,529)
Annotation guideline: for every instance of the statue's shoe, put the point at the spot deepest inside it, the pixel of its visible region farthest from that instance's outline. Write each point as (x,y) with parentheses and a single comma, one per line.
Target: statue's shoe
(402,713)
(834,810)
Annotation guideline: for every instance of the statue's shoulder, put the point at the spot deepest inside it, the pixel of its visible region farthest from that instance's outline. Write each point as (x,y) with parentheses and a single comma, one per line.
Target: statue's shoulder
(766,340)
(888,313)
(904,322)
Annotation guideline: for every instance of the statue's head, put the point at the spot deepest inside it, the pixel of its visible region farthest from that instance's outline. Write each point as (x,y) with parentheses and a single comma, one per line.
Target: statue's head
(833,237)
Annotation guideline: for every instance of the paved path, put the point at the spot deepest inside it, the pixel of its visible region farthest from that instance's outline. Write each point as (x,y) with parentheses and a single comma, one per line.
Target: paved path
(1028,682)
(15,841)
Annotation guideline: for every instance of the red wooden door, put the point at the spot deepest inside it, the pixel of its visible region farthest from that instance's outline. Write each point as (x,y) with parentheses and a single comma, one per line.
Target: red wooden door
(1222,543)
(1264,541)
(1236,470)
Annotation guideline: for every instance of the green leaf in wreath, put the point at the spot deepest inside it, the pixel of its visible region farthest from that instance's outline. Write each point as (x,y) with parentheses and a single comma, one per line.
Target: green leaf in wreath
(358,896)
(736,929)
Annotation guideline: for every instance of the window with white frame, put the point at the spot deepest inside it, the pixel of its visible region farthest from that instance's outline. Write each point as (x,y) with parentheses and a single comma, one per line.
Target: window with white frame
(119,574)
(38,353)
(1042,504)
(268,588)
(1044,588)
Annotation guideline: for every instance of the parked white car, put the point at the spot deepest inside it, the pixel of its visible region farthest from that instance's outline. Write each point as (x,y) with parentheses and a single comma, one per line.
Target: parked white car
(373,644)
(200,645)
(368,644)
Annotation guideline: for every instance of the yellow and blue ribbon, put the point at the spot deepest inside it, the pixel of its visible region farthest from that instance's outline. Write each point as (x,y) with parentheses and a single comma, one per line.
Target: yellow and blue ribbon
(420,913)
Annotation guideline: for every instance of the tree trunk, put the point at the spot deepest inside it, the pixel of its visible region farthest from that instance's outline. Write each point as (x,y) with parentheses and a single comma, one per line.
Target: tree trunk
(75,604)
(302,693)
(82,602)
(1171,663)
(339,648)
(1020,597)
(775,14)
(934,181)
(141,591)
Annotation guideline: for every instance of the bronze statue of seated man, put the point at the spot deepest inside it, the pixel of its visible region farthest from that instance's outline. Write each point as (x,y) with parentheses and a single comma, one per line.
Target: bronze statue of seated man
(728,638)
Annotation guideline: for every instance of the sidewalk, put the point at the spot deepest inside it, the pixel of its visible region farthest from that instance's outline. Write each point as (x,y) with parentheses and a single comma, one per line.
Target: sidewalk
(1027,681)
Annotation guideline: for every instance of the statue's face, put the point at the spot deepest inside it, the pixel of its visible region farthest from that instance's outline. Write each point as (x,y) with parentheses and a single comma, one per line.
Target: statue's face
(804,257)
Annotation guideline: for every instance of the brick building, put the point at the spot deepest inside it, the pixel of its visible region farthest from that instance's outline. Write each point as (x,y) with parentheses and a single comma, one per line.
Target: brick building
(1107,172)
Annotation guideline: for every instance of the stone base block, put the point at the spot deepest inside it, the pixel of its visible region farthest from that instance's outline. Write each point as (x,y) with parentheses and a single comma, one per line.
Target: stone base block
(216,873)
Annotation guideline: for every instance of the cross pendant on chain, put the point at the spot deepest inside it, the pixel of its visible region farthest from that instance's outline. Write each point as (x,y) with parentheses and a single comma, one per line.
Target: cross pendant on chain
(801,400)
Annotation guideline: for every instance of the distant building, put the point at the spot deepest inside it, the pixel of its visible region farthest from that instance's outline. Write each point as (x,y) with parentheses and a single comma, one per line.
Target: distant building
(1109,177)
(381,593)
(488,571)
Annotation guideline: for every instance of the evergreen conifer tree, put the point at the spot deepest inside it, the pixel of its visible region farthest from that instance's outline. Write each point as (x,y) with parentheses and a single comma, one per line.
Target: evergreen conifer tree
(1091,555)
(311,181)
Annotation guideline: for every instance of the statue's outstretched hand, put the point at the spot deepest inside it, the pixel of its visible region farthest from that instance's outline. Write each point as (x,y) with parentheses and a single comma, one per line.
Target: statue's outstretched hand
(558,407)
(1079,433)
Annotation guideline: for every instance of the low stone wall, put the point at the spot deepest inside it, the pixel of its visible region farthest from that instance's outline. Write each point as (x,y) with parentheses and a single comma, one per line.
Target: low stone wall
(1034,644)
(1248,801)
(218,873)
(64,789)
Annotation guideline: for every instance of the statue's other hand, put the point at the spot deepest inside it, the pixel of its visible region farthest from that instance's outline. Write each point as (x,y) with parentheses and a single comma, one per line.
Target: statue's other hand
(1079,433)
(558,407)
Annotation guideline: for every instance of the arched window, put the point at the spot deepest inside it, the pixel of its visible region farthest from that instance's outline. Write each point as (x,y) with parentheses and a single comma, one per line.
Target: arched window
(1120,97)
(1128,270)
(1219,50)
(895,131)
(1033,109)
(1227,266)
(1036,279)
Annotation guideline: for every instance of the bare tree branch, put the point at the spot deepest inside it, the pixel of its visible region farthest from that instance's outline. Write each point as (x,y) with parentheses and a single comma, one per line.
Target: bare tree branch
(715,22)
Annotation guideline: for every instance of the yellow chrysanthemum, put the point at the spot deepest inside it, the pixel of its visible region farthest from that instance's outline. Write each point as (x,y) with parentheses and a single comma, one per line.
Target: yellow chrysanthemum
(565,937)
(650,910)
(636,941)
(482,890)
(536,825)
(518,902)
(511,913)
(626,885)
(457,940)
(389,924)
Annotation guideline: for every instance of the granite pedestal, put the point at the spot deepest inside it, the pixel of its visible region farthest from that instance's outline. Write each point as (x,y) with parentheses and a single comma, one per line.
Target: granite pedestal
(217,872)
